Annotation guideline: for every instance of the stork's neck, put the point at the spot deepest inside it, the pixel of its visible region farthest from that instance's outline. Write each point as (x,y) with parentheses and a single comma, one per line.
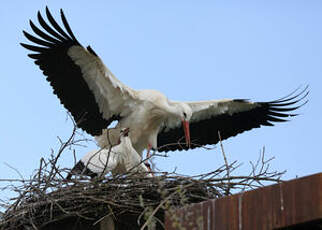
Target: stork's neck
(126,141)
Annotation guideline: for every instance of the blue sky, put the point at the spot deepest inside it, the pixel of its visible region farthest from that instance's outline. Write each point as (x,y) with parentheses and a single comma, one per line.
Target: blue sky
(189,50)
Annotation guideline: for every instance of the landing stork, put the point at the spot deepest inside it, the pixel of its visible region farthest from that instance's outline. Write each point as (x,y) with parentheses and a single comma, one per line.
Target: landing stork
(95,98)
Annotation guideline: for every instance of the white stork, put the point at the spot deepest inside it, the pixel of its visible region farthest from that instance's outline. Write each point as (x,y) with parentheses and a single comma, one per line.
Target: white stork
(95,98)
(119,159)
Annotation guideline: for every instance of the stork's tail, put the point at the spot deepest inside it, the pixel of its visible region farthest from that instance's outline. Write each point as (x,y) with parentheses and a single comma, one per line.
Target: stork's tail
(80,169)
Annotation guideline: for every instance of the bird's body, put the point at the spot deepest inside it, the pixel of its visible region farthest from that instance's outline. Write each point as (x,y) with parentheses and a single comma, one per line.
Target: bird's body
(118,159)
(95,98)
(146,119)
(150,113)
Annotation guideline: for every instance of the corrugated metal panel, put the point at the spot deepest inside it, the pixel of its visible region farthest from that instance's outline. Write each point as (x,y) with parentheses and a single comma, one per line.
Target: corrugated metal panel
(277,206)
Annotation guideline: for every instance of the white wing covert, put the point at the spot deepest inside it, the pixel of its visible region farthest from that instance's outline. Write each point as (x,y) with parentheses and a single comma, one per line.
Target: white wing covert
(229,117)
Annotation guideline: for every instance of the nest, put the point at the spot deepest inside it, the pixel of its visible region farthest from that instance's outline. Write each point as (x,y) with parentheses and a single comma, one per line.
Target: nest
(128,200)
(48,201)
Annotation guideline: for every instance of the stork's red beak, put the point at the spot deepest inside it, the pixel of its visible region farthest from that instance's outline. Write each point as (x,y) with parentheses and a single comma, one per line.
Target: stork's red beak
(126,132)
(186,129)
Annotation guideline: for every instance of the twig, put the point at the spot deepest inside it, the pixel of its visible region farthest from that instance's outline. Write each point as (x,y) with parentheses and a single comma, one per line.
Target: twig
(226,162)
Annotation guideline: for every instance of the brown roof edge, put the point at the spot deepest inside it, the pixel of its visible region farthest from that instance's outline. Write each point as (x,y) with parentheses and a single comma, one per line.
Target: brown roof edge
(277,206)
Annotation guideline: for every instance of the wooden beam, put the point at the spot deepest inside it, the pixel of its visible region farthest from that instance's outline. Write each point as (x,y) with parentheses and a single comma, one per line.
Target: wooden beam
(290,203)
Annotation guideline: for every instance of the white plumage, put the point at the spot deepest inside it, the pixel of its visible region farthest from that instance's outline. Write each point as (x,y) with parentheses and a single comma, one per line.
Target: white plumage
(119,159)
(95,98)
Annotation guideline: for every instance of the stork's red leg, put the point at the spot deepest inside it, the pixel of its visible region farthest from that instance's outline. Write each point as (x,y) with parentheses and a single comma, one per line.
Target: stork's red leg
(148,155)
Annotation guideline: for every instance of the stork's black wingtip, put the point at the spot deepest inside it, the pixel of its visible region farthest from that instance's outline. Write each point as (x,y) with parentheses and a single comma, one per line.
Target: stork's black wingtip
(38,14)
(47,11)
(62,13)
(305,91)
(307,86)
(305,102)
(23,45)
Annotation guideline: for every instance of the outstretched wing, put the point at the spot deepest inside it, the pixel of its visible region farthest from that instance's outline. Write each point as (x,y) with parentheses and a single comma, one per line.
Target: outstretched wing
(84,85)
(229,118)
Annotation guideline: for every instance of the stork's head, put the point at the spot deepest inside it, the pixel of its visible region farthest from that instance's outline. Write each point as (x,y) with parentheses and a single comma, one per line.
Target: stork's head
(185,113)
(124,132)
